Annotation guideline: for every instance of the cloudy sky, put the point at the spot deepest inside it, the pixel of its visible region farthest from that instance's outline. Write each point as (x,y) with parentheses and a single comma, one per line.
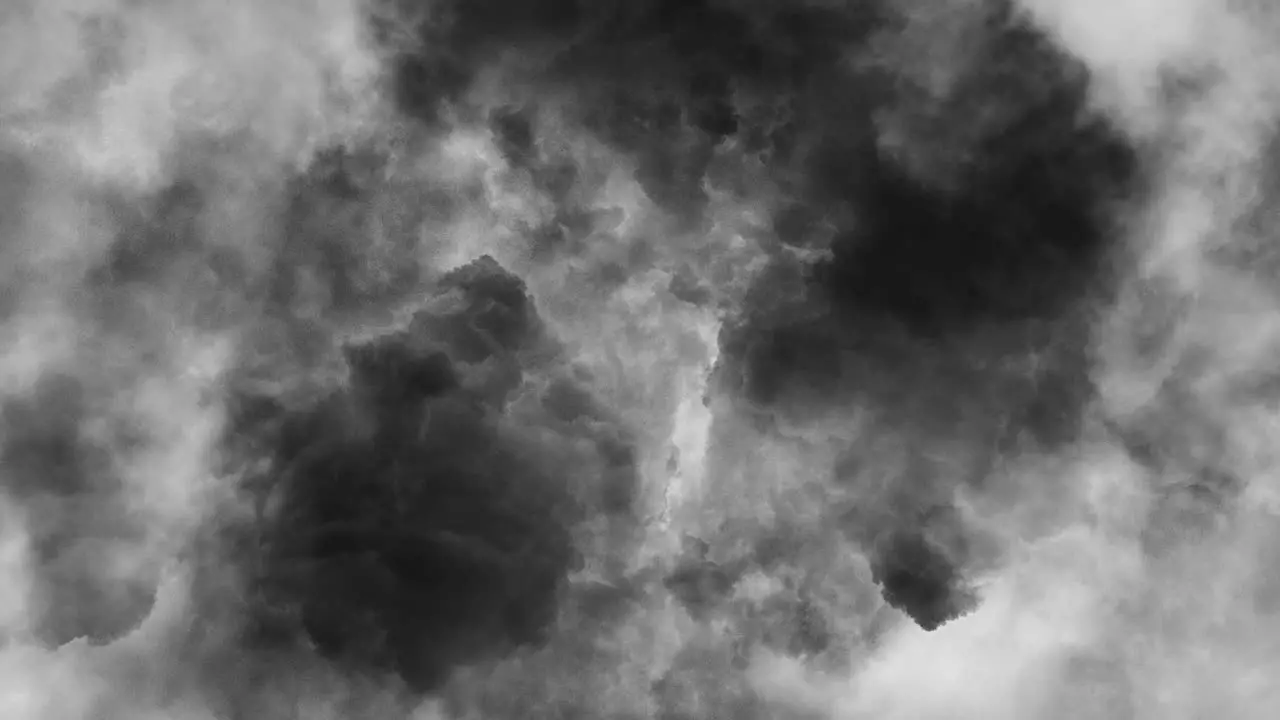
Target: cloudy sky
(797,359)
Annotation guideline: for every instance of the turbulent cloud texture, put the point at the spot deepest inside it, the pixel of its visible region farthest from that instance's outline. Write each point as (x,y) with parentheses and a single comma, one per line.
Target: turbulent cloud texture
(666,359)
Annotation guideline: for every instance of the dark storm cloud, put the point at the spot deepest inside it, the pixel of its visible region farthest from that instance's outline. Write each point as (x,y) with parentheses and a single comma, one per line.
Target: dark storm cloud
(421,525)
(960,289)
(663,81)
(971,225)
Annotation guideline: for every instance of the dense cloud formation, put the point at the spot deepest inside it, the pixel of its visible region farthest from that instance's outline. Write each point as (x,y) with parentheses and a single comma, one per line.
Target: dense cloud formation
(661,359)
(953,298)
(417,525)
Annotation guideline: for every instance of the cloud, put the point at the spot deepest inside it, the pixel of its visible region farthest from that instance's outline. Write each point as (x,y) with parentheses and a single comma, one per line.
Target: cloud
(653,359)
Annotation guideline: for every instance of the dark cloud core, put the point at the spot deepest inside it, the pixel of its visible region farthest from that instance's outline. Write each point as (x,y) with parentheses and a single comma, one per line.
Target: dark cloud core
(939,282)
(418,526)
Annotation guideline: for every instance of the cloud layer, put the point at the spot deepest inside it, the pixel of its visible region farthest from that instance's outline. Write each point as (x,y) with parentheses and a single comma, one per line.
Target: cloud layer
(645,359)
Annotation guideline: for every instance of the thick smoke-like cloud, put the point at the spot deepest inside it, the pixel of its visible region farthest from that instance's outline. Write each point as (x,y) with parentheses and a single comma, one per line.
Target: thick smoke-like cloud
(956,299)
(425,514)
(729,358)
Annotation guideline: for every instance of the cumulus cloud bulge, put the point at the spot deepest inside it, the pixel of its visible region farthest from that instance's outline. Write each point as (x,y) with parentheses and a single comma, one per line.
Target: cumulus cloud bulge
(631,359)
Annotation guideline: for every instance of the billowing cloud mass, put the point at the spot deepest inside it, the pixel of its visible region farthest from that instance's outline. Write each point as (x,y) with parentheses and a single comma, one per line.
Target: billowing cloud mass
(454,359)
